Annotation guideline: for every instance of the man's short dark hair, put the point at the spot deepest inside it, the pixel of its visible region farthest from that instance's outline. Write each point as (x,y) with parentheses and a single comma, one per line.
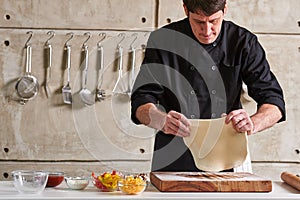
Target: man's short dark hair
(208,7)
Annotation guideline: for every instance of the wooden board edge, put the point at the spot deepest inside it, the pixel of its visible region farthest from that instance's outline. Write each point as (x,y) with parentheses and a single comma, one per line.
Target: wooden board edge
(155,181)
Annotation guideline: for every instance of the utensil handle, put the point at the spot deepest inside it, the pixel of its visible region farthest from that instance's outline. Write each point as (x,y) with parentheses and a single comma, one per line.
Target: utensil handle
(132,68)
(86,59)
(101,59)
(120,51)
(68,60)
(291,179)
(28,59)
(49,59)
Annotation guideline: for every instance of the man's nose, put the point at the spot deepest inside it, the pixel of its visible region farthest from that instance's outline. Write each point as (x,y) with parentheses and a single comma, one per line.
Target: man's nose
(207,29)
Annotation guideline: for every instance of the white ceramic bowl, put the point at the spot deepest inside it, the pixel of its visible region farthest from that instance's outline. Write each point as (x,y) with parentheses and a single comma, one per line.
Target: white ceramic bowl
(30,182)
(77,183)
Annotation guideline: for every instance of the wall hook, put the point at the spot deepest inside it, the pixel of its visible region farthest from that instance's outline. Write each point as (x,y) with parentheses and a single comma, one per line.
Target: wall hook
(103,35)
(51,33)
(123,37)
(89,36)
(135,38)
(28,40)
(72,35)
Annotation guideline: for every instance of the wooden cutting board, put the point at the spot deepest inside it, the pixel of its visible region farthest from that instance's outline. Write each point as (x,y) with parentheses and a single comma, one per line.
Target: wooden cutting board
(209,182)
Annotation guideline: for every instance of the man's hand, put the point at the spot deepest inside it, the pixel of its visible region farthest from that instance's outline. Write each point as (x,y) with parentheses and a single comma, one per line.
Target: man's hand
(241,121)
(266,116)
(170,123)
(176,124)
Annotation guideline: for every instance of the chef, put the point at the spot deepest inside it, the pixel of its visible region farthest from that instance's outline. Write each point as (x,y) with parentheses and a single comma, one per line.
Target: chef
(195,69)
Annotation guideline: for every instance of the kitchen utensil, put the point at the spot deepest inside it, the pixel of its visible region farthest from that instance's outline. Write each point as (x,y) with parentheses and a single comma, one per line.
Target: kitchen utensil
(209,182)
(132,69)
(30,182)
(85,94)
(291,179)
(120,65)
(66,90)
(48,49)
(77,183)
(27,87)
(55,178)
(100,93)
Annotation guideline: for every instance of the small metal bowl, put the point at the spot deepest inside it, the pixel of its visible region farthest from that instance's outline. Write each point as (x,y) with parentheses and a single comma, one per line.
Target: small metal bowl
(77,183)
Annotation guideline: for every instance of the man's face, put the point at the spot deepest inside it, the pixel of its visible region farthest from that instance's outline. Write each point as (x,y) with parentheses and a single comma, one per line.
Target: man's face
(206,28)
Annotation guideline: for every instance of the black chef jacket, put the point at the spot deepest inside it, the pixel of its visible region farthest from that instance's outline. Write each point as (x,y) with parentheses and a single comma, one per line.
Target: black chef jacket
(201,81)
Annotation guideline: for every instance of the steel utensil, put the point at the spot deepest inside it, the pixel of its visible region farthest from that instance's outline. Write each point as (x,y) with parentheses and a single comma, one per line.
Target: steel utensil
(132,71)
(120,70)
(48,51)
(27,87)
(85,94)
(100,93)
(66,90)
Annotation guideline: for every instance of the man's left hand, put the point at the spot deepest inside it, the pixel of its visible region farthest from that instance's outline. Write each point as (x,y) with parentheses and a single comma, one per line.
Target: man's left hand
(241,121)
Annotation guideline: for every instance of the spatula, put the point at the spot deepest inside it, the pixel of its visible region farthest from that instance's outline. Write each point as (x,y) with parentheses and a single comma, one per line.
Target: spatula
(66,90)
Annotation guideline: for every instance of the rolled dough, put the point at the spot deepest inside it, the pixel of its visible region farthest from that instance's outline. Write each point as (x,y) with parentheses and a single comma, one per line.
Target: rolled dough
(216,146)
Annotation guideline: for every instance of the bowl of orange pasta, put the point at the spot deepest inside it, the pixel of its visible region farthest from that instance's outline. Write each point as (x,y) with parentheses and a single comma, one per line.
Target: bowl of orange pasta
(132,184)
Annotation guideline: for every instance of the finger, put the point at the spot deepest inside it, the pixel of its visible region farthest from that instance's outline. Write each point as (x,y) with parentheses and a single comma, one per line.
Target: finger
(179,128)
(233,114)
(180,117)
(175,127)
(175,130)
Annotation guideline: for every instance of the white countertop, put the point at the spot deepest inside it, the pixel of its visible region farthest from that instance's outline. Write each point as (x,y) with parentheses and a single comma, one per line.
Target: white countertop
(280,191)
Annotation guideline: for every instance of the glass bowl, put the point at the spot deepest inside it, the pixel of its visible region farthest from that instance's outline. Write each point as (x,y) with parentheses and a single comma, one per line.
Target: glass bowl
(55,178)
(107,182)
(30,182)
(77,183)
(132,185)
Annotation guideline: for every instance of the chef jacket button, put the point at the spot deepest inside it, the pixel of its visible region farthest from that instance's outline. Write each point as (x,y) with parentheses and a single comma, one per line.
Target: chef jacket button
(213,91)
(192,67)
(192,116)
(192,92)
(213,68)
(213,115)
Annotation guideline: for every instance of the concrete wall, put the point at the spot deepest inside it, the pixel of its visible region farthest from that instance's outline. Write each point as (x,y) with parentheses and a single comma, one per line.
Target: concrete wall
(47,134)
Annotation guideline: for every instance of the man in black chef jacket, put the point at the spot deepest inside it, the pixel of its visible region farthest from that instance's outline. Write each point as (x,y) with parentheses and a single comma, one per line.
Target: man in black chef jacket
(195,68)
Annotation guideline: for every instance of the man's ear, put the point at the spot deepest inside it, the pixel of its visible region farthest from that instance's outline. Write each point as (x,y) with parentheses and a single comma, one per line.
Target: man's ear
(186,10)
(225,9)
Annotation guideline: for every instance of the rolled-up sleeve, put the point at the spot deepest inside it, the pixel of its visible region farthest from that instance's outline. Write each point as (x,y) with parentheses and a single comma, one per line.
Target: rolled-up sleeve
(262,84)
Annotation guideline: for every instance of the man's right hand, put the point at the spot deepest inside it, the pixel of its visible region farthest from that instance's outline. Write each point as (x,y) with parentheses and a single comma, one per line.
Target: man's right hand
(172,122)
(176,124)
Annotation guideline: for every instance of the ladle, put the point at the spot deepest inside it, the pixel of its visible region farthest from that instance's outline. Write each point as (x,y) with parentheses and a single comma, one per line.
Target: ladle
(85,94)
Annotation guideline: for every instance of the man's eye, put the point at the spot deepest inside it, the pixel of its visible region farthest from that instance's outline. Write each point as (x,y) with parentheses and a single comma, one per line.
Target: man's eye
(214,22)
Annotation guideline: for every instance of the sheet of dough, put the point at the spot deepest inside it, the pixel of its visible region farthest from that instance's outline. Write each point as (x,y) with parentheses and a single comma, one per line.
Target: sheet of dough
(216,146)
